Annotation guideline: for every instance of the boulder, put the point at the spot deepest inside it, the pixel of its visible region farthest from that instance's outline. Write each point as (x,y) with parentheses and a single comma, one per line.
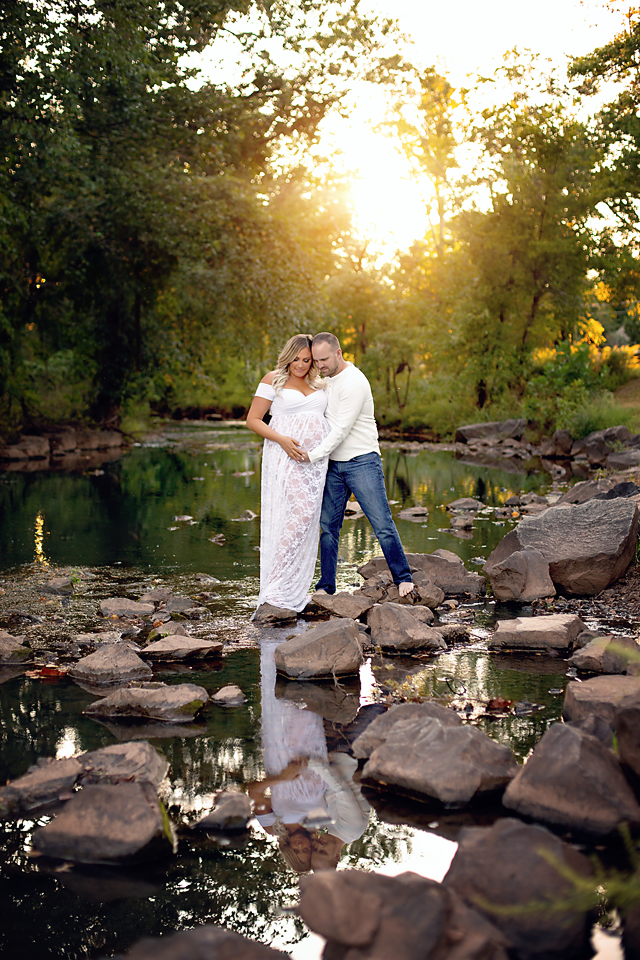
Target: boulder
(588,546)
(336,702)
(203,943)
(595,727)
(171,703)
(448,763)
(586,490)
(12,649)
(331,649)
(408,917)
(178,647)
(122,607)
(524,576)
(381,589)
(609,655)
(377,731)
(108,824)
(343,604)
(600,696)
(229,696)
(500,429)
(627,726)
(572,779)
(27,448)
(43,783)
(449,575)
(514,865)
(624,460)
(554,631)
(124,762)
(169,629)
(231,811)
(394,628)
(111,663)
(268,614)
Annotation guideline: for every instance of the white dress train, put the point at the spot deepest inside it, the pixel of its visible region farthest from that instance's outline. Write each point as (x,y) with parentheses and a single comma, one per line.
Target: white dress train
(291,499)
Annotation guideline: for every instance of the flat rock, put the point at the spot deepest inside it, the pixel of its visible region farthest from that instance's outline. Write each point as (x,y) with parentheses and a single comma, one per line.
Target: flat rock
(608,655)
(523,576)
(122,607)
(231,811)
(393,627)
(600,696)
(42,784)
(124,762)
(377,731)
(203,943)
(178,647)
(574,780)
(555,631)
(108,824)
(448,763)
(171,703)
(512,865)
(343,604)
(169,629)
(111,663)
(329,650)
(588,546)
(229,696)
(267,613)
(13,650)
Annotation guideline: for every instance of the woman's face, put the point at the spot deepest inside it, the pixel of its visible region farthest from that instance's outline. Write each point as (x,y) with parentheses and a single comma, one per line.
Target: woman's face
(301,364)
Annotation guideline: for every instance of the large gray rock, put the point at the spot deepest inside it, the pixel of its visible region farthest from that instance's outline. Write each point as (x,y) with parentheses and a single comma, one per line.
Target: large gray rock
(514,865)
(124,762)
(177,647)
(231,811)
(624,460)
(112,663)
(449,575)
(408,917)
(395,628)
(600,696)
(343,604)
(588,546)
(609,655)
(122,607)
(448,763)
(13,650)
(627,727)
(331,649)
(378,730)
(572,779)
(500,429)
(555,631)
(108,824)
(203,943)
(524,576)
(171,703)
(44,783)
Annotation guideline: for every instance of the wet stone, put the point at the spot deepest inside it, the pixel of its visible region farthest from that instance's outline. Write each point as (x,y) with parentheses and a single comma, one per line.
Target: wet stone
(378,730)
(172,703)
(343,604)
(182,648)
(268,614)
(331,649)
(122,607)
(394,628)
(13,650)
(229,696)
(112,663)
(556,631)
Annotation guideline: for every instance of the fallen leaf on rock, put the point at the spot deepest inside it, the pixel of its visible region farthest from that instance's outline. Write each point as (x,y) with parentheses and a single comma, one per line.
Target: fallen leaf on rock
(499,703)
(46,673)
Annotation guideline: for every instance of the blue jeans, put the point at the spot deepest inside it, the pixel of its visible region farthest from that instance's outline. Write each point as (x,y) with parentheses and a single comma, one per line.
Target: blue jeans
(363,477)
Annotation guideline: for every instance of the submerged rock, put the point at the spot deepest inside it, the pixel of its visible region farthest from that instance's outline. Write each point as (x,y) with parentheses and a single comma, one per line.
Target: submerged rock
(512,865)
(393,627)
(331,649)
(574,780)
(112,663)
(555,631)
(172,703)
(448,763)
(231,811)
(109,824)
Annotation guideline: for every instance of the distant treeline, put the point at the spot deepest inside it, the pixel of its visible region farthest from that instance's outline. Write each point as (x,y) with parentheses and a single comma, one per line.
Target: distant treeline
(160,238)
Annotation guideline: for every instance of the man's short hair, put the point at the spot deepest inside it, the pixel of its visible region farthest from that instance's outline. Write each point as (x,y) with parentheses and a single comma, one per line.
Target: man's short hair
(329,338)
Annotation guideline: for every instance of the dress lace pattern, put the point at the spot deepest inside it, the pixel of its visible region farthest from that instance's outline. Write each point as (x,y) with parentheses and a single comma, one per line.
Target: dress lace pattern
(291,501)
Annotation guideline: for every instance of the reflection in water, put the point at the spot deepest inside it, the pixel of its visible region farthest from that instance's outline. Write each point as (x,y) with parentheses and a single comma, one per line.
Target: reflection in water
(308,799)
(39,540)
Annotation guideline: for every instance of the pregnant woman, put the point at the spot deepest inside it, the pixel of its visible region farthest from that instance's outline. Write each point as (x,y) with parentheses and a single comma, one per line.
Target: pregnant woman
(291,490)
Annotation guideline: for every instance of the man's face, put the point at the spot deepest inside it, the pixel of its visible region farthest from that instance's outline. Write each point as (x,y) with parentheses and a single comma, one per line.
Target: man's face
(327,360)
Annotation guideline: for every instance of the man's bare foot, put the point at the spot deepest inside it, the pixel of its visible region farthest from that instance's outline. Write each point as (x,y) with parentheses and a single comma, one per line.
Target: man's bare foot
(405,588)
(322,591)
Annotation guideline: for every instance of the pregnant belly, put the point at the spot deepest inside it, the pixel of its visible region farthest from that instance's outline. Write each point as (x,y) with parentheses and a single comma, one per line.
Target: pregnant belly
(308,429)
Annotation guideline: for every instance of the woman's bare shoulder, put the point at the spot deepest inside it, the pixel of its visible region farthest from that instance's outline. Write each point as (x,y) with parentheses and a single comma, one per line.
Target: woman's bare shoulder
(268,378)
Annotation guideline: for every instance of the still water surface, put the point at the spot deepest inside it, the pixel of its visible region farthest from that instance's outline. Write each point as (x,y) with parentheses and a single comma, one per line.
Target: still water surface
(120,521)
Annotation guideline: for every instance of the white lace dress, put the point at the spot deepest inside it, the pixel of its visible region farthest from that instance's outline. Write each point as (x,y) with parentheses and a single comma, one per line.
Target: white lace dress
(291,498)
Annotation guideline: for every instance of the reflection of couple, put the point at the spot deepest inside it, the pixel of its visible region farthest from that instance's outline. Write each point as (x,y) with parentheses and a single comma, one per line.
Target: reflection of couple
(321,446)
(308,799)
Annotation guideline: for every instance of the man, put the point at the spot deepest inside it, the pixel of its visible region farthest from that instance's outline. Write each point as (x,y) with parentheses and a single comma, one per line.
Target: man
(355,466)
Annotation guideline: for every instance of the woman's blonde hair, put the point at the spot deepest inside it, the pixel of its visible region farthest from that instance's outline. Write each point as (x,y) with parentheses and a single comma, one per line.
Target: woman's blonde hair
(288,353)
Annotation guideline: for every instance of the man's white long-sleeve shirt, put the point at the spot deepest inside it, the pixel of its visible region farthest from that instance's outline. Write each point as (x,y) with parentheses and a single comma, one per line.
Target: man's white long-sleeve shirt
(350,416)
